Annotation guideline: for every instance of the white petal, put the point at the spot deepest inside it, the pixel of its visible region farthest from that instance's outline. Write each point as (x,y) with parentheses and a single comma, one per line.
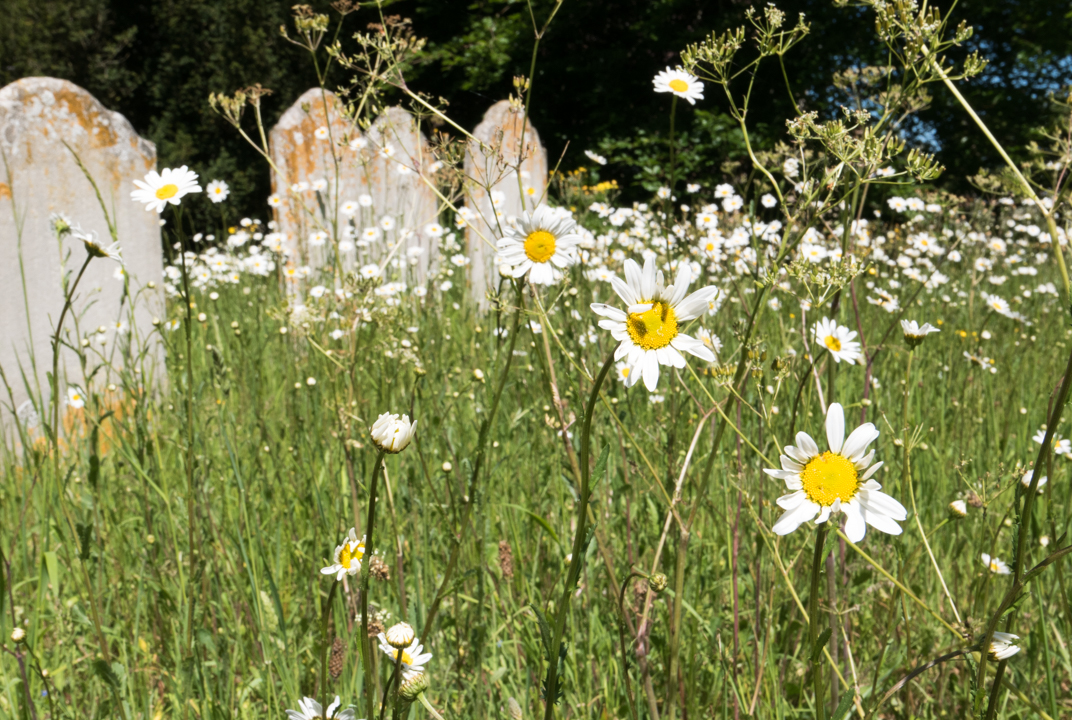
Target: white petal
(809,446)
(882,522)
(651,371)
(792,519)
(835,427)
(788,502)
(872,470)
(856,444)
(625,291)
(855,526)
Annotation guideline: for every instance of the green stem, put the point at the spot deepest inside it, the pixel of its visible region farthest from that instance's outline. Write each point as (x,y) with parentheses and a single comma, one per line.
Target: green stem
(578,540)
(621,641)
(814,621)
(370,522)
(482,444)
(326,615)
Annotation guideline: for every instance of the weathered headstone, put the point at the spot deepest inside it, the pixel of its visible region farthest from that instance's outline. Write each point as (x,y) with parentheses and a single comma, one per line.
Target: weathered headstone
(44,122)
(366,190)
(494,164)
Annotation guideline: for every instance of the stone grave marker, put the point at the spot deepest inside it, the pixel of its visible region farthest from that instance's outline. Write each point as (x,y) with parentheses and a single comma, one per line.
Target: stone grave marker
(367,188)
(494,164)
(38,177)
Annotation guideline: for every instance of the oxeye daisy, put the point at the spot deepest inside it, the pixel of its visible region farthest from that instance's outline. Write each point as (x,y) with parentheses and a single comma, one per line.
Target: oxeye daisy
(914,333)
(542,243)
(838,339)
(218,191)
(310,709)
(1003,646)
(680,83)
(169,186)
(995,565)
(838,480)
(75,397)
(413,661)
(347,559)
(649,328)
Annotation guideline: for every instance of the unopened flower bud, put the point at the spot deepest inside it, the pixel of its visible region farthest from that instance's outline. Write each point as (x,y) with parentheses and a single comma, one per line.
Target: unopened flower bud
(392,433)
(18,635)
(657,583)
(399,636)
(958,509)
(413,686)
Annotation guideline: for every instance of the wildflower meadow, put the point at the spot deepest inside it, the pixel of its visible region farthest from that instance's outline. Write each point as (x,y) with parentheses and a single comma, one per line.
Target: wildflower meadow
(783,439)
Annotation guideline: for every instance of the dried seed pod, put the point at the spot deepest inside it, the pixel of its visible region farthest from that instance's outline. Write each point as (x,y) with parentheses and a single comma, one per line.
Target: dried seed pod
(338,658)
(506,560)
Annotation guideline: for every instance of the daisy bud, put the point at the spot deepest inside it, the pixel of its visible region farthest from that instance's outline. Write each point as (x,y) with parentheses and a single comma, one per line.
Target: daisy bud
(392,433)
(18,635)
(514,707)
(958,509)
(1003,646)
(478,375)
(657,583)
(447,467)
(399,636)
(414,685)
(914,333)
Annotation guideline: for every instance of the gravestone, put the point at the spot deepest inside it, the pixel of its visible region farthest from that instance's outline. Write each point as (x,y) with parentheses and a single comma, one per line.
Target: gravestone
(334,181)
(494,163)
(44,122)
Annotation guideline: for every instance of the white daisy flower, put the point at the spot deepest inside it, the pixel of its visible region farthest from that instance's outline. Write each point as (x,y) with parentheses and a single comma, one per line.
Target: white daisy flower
(413,661)
(93,246)
(310,709)
(1003,646)
(349,208)
(170,186)
(648,329)
(680,83)
(1026,481)
(838,480)
(274,200)
(540,244)
(995,565)
(768,200)
(75,397)
(347,559)
(595,157)
(218,191)
(838,339)
(914,333)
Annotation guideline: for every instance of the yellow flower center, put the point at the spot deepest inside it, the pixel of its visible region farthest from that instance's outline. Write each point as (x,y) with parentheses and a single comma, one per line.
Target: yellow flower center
(830,477)
(347,558)
(993,566)
(167,191)
(540,246)
(833,343)
(654,328)
(625,372)
(678,85)
(407,659)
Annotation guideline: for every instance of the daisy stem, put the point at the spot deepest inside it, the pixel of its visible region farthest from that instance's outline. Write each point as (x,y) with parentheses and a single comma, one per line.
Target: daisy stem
(396,675)
(621,640)
(1021,541)
(813,623)
(911,489)
(578,541)
(325,616)
(428,707)
(56,343)
(366,649)
(481,449)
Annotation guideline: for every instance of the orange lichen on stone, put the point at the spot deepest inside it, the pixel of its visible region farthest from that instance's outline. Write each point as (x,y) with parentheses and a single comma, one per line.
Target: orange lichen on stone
(5,191)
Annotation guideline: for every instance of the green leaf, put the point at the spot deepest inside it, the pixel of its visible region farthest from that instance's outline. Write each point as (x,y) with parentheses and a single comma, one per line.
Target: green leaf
(820,643)
(601,467)
(545,631)
(843,707)
(539,520)
(53,565)
(85,534)
(105,672)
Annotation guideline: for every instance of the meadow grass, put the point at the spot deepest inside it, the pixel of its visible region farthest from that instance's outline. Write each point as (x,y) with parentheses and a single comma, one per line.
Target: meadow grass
(164,532)
(281,472)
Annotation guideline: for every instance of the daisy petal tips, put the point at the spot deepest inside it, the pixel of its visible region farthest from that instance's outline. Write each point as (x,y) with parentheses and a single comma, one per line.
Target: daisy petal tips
(838,480)
(648,330)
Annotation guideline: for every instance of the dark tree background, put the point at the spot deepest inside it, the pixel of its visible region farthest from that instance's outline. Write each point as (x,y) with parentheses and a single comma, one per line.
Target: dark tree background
(157,62)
